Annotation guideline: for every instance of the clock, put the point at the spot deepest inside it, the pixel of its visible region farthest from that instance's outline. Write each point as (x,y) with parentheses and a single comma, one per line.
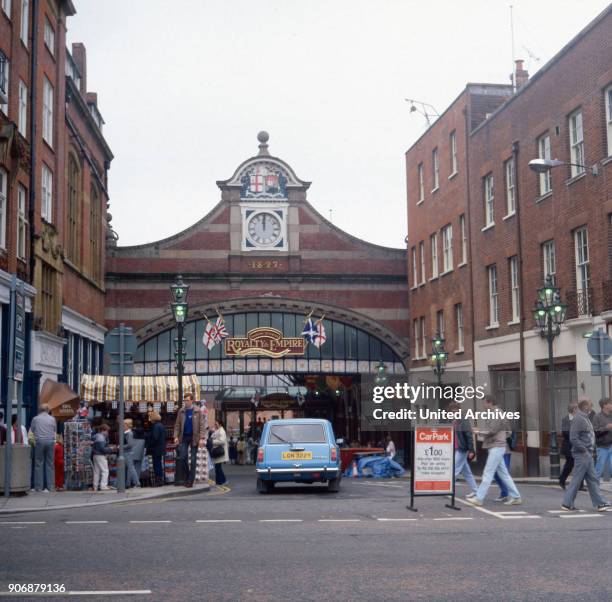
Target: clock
(264,229)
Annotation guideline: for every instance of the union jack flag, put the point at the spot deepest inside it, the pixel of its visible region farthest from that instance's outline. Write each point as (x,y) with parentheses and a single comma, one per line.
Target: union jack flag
(320,337)
(214,333)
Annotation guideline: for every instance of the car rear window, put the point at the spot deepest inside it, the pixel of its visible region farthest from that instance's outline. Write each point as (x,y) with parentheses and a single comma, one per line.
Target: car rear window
(297,433)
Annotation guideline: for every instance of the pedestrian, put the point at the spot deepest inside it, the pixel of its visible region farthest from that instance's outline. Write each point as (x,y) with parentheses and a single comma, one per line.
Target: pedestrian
(582,438)
(240,449)
(602,424)
(510,445)
(464,449)
(566,446)
(58,452)
(20,435)
(131,476)
(390,448)
(99,450)
(157,448)
(219,439)
(188,434)
(495,433)
(233,452)
(44,430)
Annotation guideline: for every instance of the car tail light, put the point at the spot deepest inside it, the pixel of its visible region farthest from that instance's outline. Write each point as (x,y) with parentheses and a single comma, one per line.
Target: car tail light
(260,454)
(334,454)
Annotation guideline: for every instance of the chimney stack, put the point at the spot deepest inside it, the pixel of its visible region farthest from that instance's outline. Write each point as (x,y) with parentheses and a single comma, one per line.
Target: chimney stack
(521,75)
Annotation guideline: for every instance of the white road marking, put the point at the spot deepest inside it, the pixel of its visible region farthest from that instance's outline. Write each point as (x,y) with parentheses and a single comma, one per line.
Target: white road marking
(563,511)
(504,512)
(580,515)
(339,520)
(518,517)
(501,515)
(220,520)
(102,592)
(23,522)
(281,520)
(86,522)
(456,518)
(149,521)
(396,519)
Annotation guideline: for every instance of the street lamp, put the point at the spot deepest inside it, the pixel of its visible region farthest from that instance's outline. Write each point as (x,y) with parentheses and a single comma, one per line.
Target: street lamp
(545,165)
(438,356)
(381,374)
(549,313)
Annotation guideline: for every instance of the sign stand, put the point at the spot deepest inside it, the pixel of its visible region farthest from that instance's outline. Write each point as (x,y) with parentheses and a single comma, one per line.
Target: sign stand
(446,438)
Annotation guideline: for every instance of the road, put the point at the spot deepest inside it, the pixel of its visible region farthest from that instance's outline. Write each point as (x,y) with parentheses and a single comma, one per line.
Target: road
(303,543)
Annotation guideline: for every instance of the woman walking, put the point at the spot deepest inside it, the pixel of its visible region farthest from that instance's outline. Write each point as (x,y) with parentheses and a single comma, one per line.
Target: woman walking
(132,478)
(219,440)
(157,448)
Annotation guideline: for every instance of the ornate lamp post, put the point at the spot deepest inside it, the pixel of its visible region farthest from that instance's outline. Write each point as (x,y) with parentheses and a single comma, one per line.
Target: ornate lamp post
(179,291)
(438,356)
(381,374)
(549,313)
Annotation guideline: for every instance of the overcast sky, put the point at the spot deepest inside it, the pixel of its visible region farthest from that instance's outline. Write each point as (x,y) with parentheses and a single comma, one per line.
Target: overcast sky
(185,86)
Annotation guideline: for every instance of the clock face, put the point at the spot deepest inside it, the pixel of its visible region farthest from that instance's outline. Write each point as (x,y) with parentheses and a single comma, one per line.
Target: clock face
(264,229)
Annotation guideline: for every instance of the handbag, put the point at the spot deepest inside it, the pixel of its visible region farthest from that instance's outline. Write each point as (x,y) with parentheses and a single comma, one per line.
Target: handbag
(217,451)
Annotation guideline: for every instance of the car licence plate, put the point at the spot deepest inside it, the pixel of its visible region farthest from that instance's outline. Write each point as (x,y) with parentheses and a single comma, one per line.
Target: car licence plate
(305,455)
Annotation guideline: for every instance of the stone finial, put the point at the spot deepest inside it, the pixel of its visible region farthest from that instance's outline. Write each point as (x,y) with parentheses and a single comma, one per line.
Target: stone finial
(263,138)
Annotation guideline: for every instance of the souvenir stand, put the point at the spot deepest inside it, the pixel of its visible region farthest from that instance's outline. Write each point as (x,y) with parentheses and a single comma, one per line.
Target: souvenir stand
(143,394)
(77,454)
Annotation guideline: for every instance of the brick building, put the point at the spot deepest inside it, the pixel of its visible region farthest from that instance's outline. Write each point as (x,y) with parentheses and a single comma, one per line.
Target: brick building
(53,195)
(524,226)
(264,257)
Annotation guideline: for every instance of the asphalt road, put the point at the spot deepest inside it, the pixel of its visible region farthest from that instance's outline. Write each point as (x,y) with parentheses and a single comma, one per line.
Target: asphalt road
(303,543)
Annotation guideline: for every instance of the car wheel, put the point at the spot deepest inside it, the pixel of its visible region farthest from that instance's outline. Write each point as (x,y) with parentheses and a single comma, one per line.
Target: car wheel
(334,485)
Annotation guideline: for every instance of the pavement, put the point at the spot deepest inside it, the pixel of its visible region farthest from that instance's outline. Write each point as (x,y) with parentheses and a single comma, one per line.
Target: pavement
(305,543)
(35,501)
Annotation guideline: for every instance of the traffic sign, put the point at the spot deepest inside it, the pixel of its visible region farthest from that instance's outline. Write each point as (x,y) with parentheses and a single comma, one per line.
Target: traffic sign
(112,347)
(599,346)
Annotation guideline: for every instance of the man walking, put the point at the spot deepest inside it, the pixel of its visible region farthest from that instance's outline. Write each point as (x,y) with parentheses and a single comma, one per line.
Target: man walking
(495,433)
(582,438)
(44,429)
(602,424)
(566,446)
(464,449)
(188,433)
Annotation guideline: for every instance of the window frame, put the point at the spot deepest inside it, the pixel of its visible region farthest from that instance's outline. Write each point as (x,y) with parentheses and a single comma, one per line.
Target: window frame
(489,200)
(422,253)
(423,338)
(576,143)
(413,252)
(510,177)
(460,327)
(493,296)
(435,262)
(582,258)
(48,111)
(453,152)
(417,338)
(435,166)
(544,152)
(22,222)
(22,113)
(5,81)
(608,103)
(549,259)
(46,205)
(440,325)
(6,8)
(49,36)
(24,25)
(447,248)
(515,291)
(463,232)
(421,182)
(3,206)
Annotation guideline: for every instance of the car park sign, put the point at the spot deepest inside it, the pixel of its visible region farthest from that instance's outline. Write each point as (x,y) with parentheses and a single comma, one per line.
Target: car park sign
(433,460)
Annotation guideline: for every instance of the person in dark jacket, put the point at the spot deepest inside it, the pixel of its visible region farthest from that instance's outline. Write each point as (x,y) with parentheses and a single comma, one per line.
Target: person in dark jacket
(566,446)
(464,449)
(602,424)
(157,448)
(132,479)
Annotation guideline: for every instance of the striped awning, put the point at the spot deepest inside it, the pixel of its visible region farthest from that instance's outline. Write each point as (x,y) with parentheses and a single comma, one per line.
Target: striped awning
(154,389)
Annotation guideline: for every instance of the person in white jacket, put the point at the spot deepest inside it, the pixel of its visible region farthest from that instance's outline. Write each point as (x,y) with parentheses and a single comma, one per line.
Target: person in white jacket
(219,439)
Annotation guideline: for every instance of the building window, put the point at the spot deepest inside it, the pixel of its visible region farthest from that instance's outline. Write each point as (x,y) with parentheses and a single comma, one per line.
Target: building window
(459,322)
(514,288)
(433,240)
(447,248)
(576,135)
(608,100)
(47,127)
(510,187)
(94,233)
(25,14)
(46,206)
(74,221)
(583,268)
(548,256)
(423,339)
(493,296)
(22,118)
(422,254)
(47,295)
(489,197)
(440,322)
(463,230)
(421,183)
(544,153)
(453,152)
(6,7)
(3,207)
(417,339)
(70,360)
(49,36)
(22,222)
(415,278)
(436,168)
(4,83)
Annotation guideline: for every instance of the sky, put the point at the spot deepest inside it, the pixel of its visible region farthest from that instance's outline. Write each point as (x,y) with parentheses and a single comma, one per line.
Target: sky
(185,86)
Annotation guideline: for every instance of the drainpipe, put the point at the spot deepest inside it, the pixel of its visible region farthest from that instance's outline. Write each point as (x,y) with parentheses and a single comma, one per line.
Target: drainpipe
(519,240)
(33,135)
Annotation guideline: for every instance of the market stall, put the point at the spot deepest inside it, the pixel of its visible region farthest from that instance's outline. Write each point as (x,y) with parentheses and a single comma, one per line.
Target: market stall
(143,394)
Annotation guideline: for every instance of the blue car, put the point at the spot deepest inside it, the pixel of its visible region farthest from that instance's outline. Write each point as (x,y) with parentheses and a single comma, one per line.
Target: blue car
(300,450)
